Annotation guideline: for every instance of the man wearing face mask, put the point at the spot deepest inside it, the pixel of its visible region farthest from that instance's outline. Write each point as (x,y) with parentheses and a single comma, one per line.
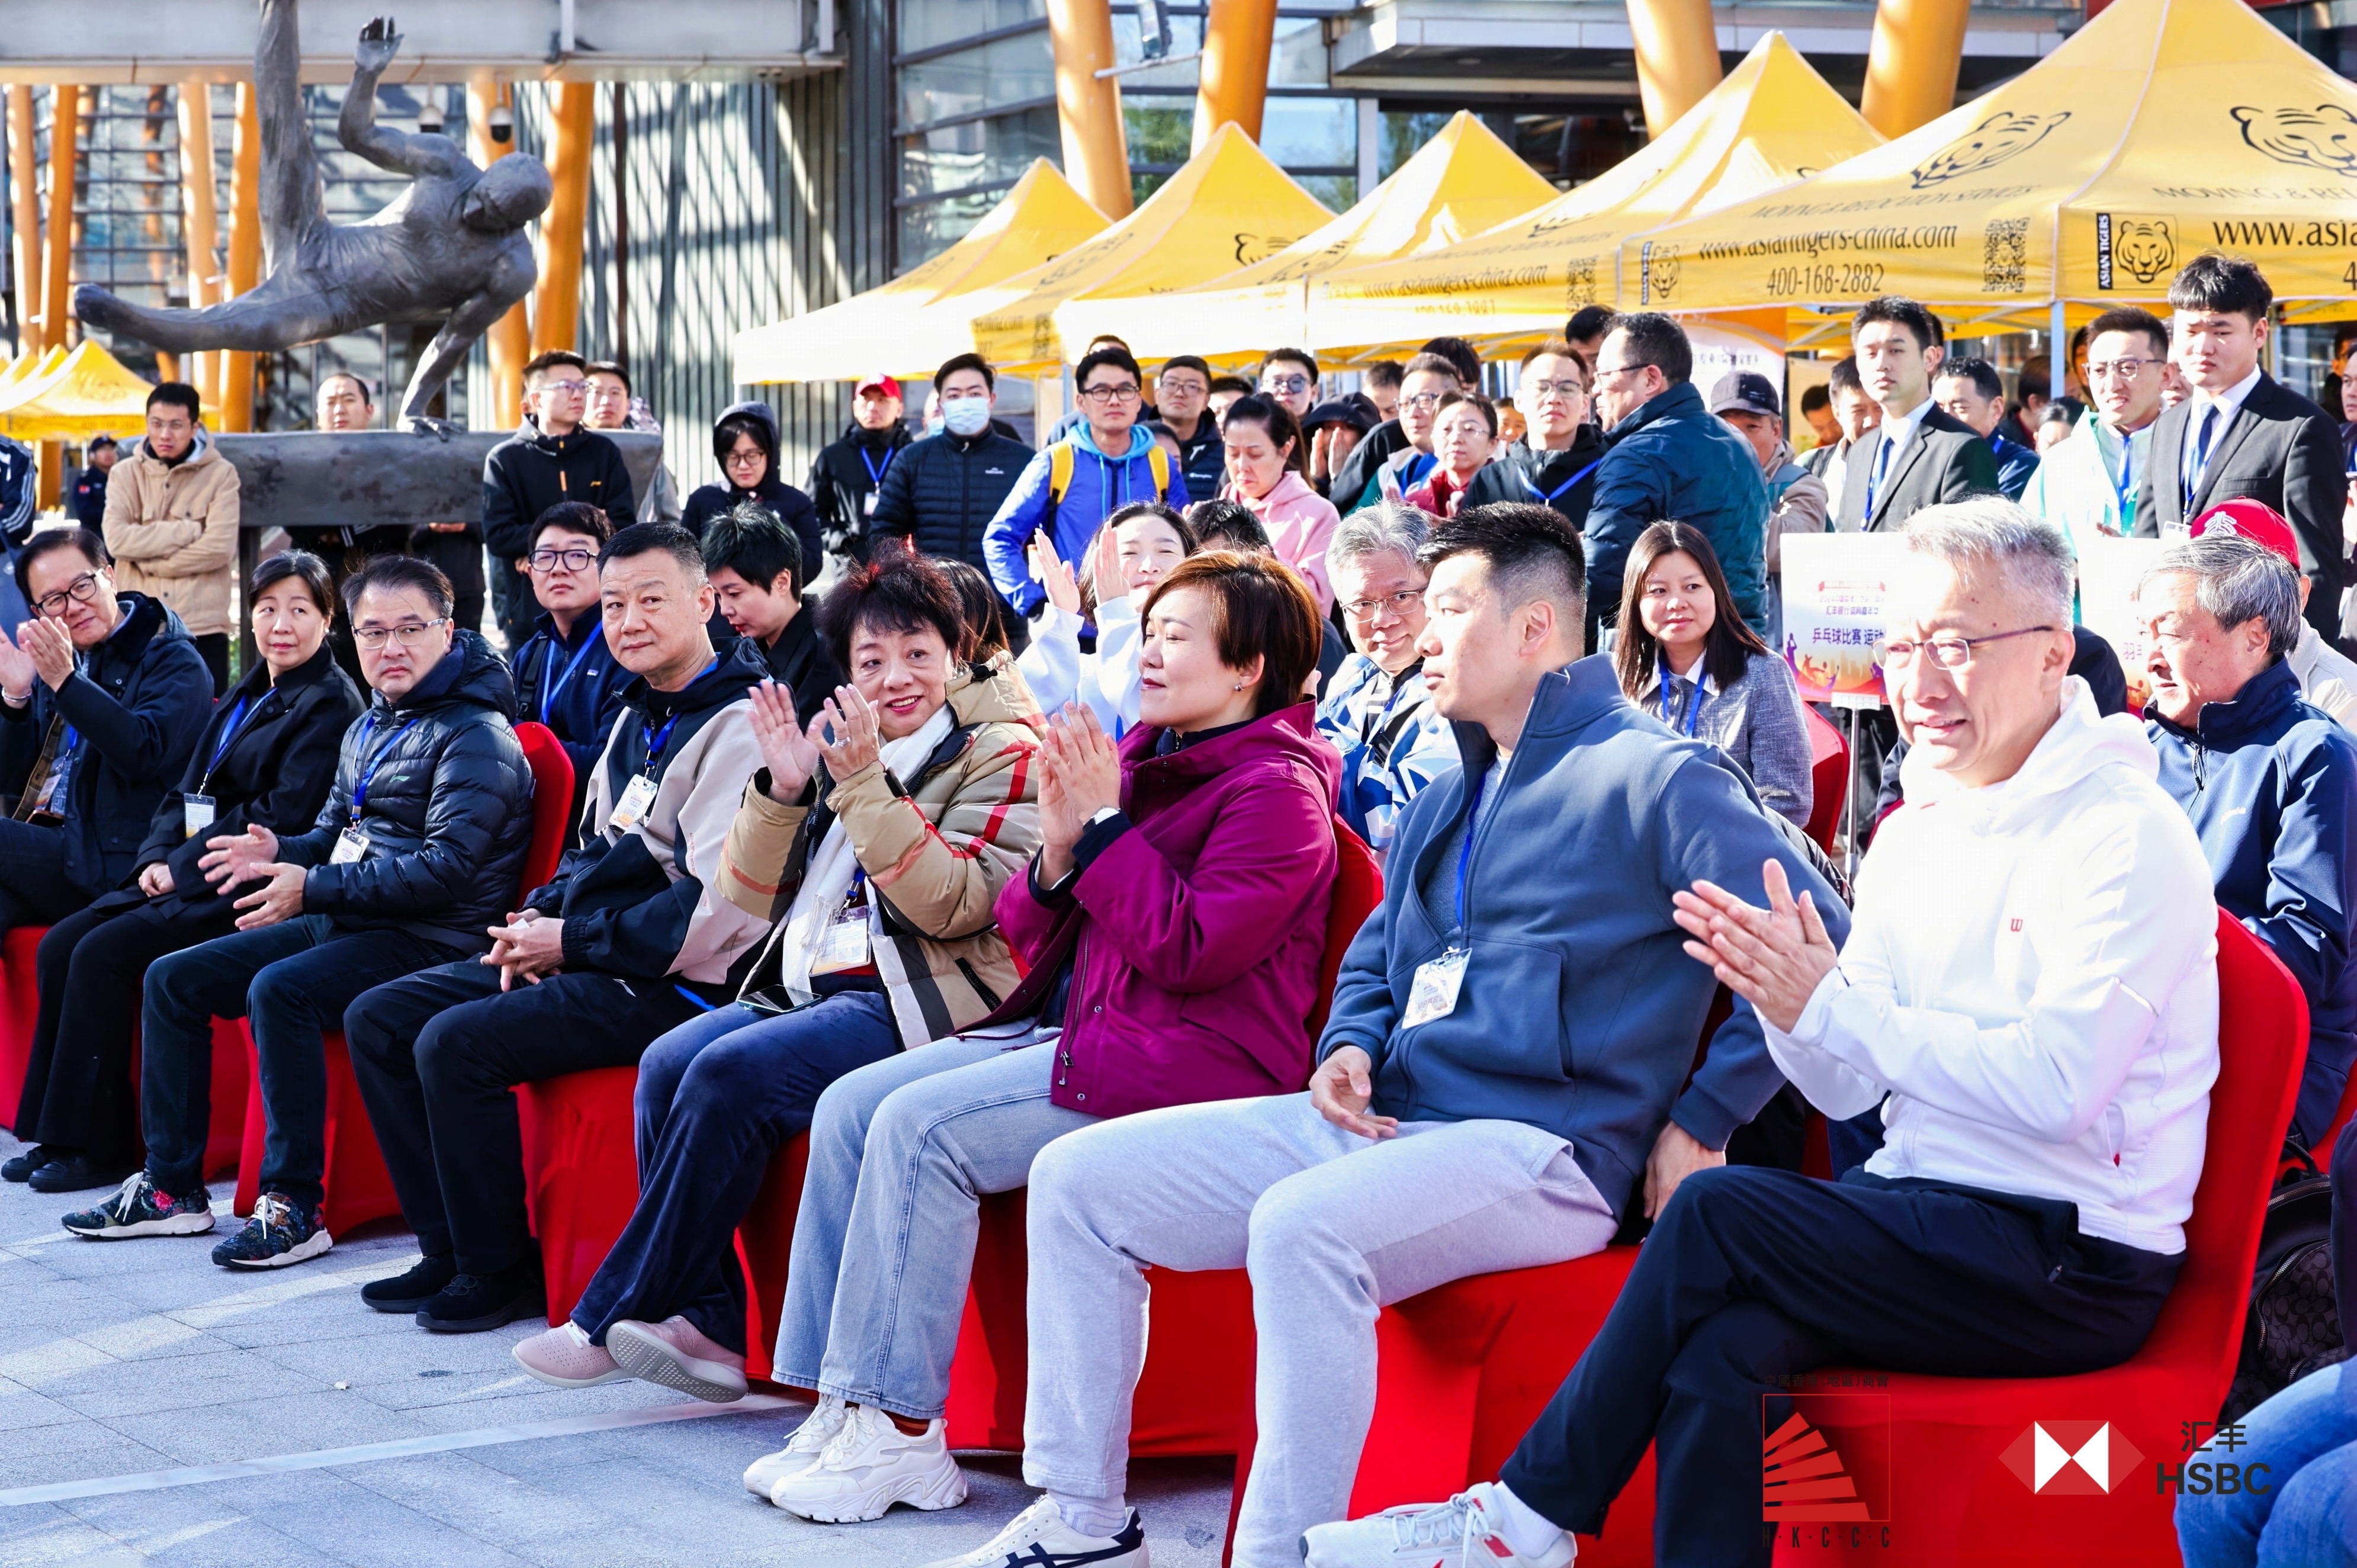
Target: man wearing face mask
(940,493)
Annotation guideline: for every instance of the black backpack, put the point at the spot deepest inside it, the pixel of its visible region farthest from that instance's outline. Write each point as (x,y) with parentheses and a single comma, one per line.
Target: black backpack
(2294,1314)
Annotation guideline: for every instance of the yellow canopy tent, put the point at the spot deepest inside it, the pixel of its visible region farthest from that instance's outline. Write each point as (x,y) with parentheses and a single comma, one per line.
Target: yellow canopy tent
(1226,207)
(881,331)
(26,375)
(90,393)
(2161,129)
(1770,121)
(1461,182)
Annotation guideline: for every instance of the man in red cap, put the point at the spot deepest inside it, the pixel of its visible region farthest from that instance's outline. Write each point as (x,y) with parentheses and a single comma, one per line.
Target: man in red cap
(2326,679)
(850,470)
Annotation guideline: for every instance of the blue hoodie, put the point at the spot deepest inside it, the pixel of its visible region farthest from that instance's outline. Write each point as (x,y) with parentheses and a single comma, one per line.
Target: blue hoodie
(1579,1011)
(2271,785)
(1100,485)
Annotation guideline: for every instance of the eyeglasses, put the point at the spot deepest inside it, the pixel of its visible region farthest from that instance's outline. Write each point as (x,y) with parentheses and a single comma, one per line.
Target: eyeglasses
(1182,386)
(1555,389)
(1399,604)
(2117,370)
(1947,652)
(743,460)
(1604,371)
(575,560)
(409,633)
(84,588)
(1423,401)
(564,389)
(1125,392)
(1285,383)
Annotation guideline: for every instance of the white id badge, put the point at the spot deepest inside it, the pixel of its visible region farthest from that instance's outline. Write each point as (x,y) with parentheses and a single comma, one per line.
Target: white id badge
(196,814)
(55,788)
(636,798)
(868,503)
(351,845)
(1434,993)
(844,944)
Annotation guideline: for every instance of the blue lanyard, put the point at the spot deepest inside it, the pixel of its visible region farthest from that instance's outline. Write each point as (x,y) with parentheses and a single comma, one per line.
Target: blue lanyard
(662,738)
(2127,487)
(1693,704)
(368,728)
(875,474)
(228,739)
(1417,467)
(1549,495)
(71,738)
(550,691)
(1465,855)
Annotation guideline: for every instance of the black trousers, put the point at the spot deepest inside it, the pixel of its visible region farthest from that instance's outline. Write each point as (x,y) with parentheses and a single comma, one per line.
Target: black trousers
(1753,1275)
(77,1089)
(434,1054)
(33,886)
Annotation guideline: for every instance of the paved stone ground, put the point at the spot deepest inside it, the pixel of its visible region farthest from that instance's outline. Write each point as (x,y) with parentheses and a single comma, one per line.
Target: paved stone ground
(119,1359)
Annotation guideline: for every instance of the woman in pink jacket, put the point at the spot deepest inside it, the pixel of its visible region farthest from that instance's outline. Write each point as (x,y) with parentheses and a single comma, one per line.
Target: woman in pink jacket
(1172,923)
(1268,464)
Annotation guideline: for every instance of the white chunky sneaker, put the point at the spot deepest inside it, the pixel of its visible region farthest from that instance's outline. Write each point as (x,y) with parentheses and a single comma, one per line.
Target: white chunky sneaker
(1039,1537)
(1459,1534)
(801,1450)
(869,1466)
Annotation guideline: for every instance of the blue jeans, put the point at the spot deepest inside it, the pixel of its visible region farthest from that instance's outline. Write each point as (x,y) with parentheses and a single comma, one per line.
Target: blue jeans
(2306,1437)
(718,1097)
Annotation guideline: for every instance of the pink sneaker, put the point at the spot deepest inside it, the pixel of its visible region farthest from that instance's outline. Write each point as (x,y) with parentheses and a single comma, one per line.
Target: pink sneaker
(676,1354)
(563,1356)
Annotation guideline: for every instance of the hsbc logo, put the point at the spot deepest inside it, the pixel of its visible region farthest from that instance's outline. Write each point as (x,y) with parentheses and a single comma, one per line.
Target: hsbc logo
(2071,1458)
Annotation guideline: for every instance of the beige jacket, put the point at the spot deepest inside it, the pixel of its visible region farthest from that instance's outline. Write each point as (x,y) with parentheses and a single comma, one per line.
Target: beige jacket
(173,531)
(937,851)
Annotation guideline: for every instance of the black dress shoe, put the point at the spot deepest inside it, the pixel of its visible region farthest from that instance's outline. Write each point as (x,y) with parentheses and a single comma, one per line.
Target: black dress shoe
(17,1167)
(76,1173)
(409,1292)
(472,1302)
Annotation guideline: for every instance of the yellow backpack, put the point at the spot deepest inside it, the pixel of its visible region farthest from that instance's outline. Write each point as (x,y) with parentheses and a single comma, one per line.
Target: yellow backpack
(1061,455)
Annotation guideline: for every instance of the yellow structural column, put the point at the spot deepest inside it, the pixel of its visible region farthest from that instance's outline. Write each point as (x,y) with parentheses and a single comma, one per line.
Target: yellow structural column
(24,213)
(65,127)
(510,339)
(200,223)
(1233,79)
(572,140)
(236,398)
(1677,57)
(1088,106)
(1910,66)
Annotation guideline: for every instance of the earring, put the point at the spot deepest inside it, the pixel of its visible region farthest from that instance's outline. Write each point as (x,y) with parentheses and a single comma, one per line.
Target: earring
(1239,686)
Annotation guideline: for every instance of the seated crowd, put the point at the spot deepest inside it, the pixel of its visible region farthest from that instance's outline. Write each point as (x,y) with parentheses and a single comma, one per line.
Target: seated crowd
(1007,860)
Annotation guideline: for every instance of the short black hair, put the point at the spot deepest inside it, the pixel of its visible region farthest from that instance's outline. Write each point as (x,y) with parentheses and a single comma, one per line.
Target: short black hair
(986,612)
(1816,398)
(1902,311)
(177,394)
(1302,357)
(1532,552)
(1980,372)
(1259,408)
(1844,376)
(48,542)
(898,593)
(1459,353)
(1194,362)
(553,357)
(751,541)
(305,568)
(1097,359)
(2128,318)
(574,517)
(1655,339)
(967,361)
(1481,405)
(1231,383)
(613,368)
(1385,373)
(1430,364)
(359,384)
(648,539)
(393,572)
(2228,284)
(1587,321)
(1231,521)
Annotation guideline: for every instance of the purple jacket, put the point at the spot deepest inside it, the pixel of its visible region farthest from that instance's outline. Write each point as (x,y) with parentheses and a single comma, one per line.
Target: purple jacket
(1198,932)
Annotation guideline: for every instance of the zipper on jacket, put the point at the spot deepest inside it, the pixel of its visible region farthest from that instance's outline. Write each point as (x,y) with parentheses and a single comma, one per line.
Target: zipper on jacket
(989,997)
(1065,1037)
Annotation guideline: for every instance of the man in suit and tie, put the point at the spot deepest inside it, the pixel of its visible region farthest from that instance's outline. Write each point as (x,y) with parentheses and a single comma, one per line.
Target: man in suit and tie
(2242,435)
(1923,456)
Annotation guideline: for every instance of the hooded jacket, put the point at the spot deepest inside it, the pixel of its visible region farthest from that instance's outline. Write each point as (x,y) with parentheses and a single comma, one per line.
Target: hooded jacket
(942,492)
(789,505)
(2271,786)
(1671,459)
(1579,1010)
(1353,484)
(173,531)
(1195,930)
(639,902)
(1564,480)
(840,484)
(138,702)
(939,847)
(530,472)
(572,685)
(1300,524)
(446,803)
(1099,484)
(2045,1022)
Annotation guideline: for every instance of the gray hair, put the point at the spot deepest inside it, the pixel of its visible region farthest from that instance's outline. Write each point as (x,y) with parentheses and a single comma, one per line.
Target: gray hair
(1992,530)
(2236,580)
(1387,528)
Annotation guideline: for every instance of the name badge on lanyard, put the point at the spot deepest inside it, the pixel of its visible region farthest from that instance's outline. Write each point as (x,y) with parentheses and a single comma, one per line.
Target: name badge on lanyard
(844,944)
(1432,994)
(351,845)
(196,814)
(636,798)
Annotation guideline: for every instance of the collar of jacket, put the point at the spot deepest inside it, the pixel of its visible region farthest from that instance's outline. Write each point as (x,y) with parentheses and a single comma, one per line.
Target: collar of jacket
(768,492)
(139,620)
(1291,732)
(1680,401)
(585,626)
(896,436)
(2254,710)
(469,672)
(741,666)
(1568,701)
(1085,439)
(554,446)
(2081,742)
(257,684)
(1554,468)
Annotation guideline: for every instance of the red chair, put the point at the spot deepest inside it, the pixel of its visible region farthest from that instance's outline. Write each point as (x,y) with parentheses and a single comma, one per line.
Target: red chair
(1828,778)
(20,1005)
(358,1188)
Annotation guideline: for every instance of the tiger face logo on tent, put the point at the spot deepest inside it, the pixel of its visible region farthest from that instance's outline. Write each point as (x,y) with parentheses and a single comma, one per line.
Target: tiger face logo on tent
(2002,135)
(1251,248)
(2142,249)
(2324,137)
(1660,265)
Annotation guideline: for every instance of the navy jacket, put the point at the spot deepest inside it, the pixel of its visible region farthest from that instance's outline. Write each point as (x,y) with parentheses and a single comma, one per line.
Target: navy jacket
(2271,785)
(2015,464)
(942,492)
(1579,1011)
(530,472)
(1672,459)
(138,702)
(580,708)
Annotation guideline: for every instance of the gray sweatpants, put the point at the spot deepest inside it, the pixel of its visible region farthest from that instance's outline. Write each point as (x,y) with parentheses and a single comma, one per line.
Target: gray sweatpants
(1331,1226)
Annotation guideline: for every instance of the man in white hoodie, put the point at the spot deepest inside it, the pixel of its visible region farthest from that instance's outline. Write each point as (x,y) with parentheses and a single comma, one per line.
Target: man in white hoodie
(2031,981)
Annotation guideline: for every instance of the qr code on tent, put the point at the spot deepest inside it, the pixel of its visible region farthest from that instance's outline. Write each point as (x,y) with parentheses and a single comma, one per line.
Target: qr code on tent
(2005,254)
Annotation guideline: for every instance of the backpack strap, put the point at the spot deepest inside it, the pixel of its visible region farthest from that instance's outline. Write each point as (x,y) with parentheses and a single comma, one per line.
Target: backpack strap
(1060,472)
(1158,461)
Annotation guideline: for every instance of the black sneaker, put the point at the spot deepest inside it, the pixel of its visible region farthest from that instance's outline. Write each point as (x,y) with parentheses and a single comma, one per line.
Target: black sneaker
(17,1167)
(77,1173)
(281,1233)
(472,1302)
(409,1292)
(139,1208)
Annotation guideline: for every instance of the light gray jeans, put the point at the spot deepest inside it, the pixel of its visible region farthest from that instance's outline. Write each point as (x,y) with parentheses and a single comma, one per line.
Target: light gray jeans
(900,1151)
(1331,1226)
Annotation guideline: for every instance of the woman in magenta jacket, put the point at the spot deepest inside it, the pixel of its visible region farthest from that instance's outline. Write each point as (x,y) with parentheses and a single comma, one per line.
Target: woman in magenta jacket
(1173,922)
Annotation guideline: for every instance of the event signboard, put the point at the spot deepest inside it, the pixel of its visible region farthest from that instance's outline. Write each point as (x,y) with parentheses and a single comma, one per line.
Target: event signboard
(2108,572)
(1836,586)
